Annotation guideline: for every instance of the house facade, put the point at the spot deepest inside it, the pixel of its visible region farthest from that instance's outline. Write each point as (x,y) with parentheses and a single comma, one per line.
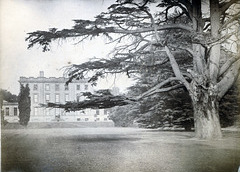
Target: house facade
(52,89)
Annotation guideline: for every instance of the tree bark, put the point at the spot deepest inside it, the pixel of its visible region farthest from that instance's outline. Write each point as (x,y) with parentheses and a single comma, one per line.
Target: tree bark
(206,114)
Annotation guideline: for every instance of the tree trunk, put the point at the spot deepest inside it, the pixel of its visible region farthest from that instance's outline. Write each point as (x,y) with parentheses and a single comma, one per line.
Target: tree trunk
(206,114)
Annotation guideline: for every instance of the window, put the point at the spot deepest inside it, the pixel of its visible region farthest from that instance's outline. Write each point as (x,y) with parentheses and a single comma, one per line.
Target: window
(86,87)
(105,119)
(15,111)
(98,119)
(66,97)
(78,119)
(86,119)
(47,98)
(47,87)
(97,111)
(57,87)
(78,98)
(35,98)
(66,87)
(7,111)
(105,111)
(57,98)
(35,87)
(47,112)
(35,111)
(57,112)
(78,87)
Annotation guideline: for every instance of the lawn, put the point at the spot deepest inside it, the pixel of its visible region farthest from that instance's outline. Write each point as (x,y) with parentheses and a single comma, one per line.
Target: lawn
(116,150)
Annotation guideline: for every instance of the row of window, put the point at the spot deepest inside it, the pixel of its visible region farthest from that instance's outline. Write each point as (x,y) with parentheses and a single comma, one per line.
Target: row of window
(47,98)
(87,119)
(14,111)
(57,87)
(47,112)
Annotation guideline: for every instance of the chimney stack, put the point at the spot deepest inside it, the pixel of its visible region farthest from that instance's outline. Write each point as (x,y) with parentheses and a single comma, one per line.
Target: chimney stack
(41,74)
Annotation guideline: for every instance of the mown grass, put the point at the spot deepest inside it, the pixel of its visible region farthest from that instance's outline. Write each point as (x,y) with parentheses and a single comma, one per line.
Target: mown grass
(116,150)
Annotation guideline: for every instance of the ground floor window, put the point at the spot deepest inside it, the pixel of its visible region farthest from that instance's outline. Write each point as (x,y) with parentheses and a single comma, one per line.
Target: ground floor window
(7,111)
(15,111)
(35,111)
(47,112)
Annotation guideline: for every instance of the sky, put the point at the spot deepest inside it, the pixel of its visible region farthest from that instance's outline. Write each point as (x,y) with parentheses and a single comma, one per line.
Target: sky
(19,17)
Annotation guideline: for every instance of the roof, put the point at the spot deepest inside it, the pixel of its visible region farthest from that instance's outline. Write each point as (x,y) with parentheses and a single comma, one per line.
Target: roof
(49,80)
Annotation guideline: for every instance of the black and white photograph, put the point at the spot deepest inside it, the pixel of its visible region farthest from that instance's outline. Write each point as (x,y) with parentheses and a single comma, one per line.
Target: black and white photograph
(120,85)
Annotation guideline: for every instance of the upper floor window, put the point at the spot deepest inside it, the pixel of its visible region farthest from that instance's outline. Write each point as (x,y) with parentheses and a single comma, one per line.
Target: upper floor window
(47,87)
(35,87)
(66,97)
(35,111)
(35,98)
(86,87)
(57,98)
(47,97)
(78,87)
(57,87)
(66,88)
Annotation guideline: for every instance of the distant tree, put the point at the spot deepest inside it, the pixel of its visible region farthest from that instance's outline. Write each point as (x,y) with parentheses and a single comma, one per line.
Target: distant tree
(123,116)
(24,105)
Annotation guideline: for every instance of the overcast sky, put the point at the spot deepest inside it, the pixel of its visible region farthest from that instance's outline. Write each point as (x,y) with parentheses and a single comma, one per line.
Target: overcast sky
(18,17)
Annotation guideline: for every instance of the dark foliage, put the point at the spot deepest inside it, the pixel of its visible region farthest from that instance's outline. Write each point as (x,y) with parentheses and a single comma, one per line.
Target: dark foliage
(24,105)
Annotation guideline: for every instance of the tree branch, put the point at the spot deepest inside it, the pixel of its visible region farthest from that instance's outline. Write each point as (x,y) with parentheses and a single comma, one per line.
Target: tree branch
(156,87)
(227,65)
(224,6)
(100,101)
(176,69)
(44,38)
(229,79)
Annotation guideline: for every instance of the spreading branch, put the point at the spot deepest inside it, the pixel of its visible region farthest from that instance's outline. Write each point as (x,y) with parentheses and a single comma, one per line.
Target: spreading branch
(102,100)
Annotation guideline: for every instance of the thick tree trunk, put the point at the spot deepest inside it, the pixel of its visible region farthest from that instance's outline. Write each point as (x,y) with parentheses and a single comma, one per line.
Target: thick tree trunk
(206,116)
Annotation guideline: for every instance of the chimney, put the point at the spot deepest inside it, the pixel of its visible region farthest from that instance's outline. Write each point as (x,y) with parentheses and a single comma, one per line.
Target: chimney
(41,74)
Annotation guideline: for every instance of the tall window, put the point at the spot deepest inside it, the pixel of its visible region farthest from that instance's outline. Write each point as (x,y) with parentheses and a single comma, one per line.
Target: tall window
(47,97)
(97,111)
(57,87)
(66,87)
(35,87)
(35,111)
(35,98)
(78,87)
(105,111)
(15,111)
(57,112)
(7,111)
(47,87)
(47,112)
(66,97)
(57,98)
(86,87)
(78,98)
